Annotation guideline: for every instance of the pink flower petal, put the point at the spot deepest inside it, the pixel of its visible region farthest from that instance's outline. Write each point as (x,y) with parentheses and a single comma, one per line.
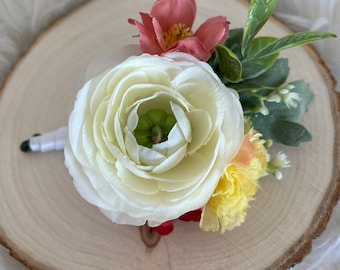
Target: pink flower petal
(159,34)
(151,39)
(213,31)
(170,12)
(132,21)
(191,45)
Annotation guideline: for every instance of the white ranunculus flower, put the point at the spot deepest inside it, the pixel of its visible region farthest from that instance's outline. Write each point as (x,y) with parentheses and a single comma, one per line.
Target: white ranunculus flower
(133,182)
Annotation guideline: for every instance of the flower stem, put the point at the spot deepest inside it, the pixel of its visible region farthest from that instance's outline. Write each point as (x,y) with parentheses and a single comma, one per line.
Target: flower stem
(149,236)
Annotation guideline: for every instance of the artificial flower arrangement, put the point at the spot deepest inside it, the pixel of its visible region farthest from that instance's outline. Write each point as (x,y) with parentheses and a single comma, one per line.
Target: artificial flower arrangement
(182,131)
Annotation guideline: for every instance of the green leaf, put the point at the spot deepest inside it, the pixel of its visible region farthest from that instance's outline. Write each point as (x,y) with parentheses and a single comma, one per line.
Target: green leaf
(275,76)
(234,38)
(229,65)
(280,124)
(245,86)
(291,41)
(259,13)
(258,44)
(249,102)
(234,41)
(281,131)
(254,67)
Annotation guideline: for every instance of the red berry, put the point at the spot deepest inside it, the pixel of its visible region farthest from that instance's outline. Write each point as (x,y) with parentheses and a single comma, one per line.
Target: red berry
(192,216)
(165,228)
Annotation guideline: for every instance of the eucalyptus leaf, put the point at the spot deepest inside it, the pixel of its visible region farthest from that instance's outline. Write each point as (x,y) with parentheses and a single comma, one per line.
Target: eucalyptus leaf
(281,131)
(293,40)
(280,124)
(248,102)
(246,86)
(259,13)
(229,66)
(281,111)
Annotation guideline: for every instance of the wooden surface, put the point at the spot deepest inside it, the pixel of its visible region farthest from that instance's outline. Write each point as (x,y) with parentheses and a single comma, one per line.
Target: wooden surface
(47,225)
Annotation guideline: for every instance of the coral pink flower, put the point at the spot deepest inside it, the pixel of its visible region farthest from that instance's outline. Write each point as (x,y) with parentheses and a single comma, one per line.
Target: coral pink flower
(168,28)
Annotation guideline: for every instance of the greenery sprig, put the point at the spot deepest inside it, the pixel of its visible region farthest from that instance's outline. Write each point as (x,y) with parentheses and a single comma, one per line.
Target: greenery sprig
(251,65)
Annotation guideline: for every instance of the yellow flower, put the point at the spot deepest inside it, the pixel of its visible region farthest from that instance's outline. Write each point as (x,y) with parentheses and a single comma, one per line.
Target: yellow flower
(227,207)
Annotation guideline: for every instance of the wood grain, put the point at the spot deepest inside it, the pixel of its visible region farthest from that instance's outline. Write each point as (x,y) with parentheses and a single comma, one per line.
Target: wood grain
(48,226)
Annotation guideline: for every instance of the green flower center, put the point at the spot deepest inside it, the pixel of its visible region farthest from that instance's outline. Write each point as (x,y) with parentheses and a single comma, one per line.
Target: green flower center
(153,127)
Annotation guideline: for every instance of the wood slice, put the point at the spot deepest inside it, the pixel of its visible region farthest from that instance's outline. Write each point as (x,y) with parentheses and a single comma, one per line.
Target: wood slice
(47,225)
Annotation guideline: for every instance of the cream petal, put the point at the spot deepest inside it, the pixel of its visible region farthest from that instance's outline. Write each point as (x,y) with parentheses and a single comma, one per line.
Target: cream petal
(175,186)
(144,104)
(123,197)
(182,121)
(153,223)
(199,97)
(122,77)
(156,76)
(132,146)
(160,99)
(100,91)
(145,168)
(234,135)
(130,165)
(119,87)
(103,188)
(150,157)
(117,196)
(123,218)
(186,171)
(174,142)
(194,168)
(135,183)
(161,148)
(171,161)
(132,120)
(83,155)
(201,129)
(224,109)
(195,91)
(147,60)
(136,94)
(197,196)
(86,140)
(195,74)
(98,133)
(77,118)
(118,134)
(81,181)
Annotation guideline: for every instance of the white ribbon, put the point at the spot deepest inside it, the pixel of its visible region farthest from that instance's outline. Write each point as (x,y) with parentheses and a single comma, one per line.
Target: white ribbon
(51,141)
